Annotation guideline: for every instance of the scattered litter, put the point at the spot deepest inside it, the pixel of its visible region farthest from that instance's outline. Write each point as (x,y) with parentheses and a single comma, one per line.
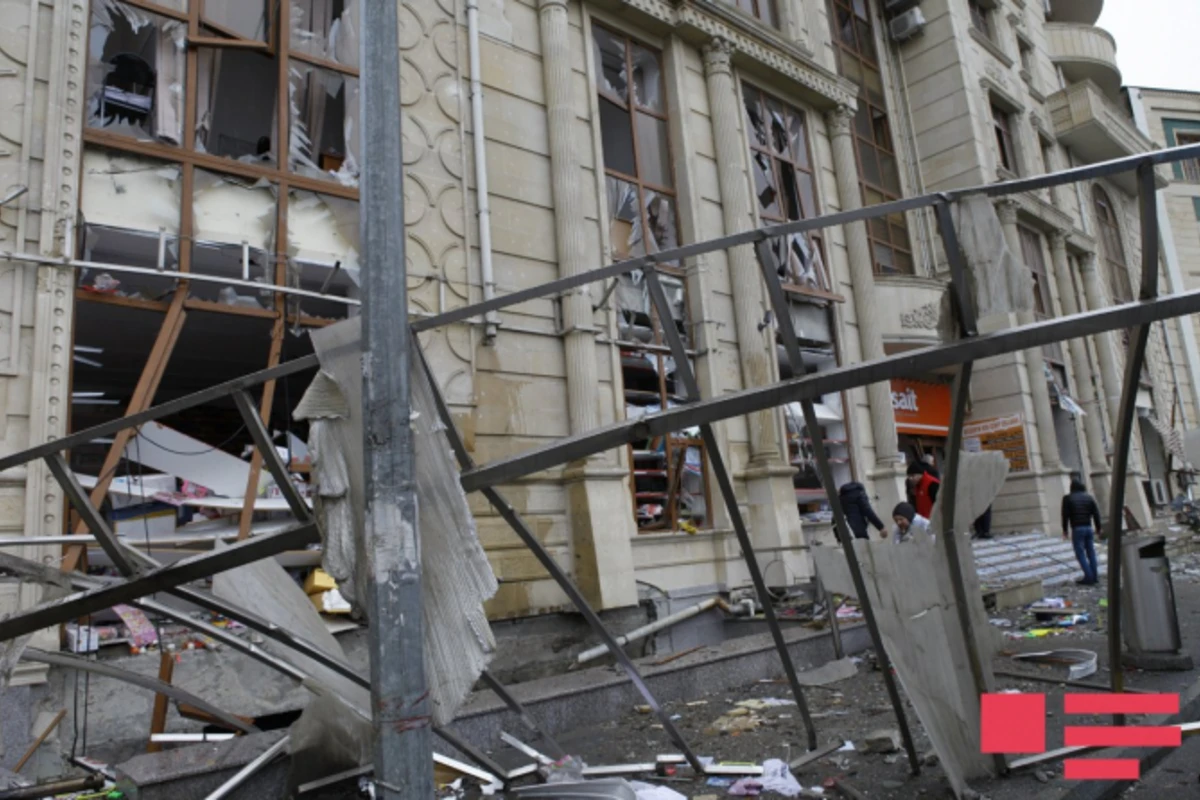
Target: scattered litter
(885,740)
(746,787)
(734,723)
(1049,602)
(565,770)
(892,784)
(848,612)
(648,791)
(676,717)
(1080,663)
(759,704)
(848,747)
(720,782)
(696,703)
(778,778)
(1001,622)
(642,709)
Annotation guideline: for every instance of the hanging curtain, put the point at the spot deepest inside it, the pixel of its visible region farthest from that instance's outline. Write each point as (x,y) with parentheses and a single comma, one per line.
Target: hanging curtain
(207,75)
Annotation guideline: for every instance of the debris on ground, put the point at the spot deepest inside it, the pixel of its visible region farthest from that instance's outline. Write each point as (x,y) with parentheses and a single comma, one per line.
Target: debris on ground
(1079,663)
(885,740)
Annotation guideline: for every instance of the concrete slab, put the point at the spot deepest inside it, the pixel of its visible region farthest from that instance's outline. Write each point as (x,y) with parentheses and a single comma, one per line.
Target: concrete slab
(195,771)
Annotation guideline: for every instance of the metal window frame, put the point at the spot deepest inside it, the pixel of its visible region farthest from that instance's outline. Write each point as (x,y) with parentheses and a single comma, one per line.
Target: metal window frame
(1149,308)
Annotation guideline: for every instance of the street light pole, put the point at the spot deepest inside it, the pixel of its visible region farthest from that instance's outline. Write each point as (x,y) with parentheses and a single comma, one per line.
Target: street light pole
(392,552)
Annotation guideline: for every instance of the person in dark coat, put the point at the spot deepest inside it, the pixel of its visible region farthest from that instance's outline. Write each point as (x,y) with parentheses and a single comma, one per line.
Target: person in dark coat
(857,508)
(1081,517)
(983,525)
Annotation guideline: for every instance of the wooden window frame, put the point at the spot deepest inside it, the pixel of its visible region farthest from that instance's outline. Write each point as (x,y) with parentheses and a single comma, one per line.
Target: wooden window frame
(779,163)
(200,33)
(673,447)
(765,11)
(1034,257)
(981,18)
(862,58)
(1002,129)
(1191,167)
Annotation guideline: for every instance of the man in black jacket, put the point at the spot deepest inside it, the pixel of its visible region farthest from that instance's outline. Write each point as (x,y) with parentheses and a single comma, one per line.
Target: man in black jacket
(857,508)
(1079,512)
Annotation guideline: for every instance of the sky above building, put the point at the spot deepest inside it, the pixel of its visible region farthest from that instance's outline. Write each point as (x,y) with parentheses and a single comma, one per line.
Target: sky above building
(1156,41)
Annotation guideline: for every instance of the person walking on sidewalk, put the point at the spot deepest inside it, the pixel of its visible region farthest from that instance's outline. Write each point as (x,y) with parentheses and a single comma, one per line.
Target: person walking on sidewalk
(1079,512)
(857,508)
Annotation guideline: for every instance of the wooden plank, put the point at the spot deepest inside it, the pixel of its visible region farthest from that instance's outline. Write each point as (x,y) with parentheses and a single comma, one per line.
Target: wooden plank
(143,398)
(40,739)
(158,719)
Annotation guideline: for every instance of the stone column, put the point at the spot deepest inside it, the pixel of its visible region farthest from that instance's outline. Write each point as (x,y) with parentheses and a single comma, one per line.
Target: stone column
(1112,378)
(1034,359)
(595,489)
(1093,427)
(773,518)
(866,309)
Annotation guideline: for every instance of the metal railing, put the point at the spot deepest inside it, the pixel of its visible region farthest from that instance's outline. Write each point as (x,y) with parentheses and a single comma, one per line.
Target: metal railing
(145,577)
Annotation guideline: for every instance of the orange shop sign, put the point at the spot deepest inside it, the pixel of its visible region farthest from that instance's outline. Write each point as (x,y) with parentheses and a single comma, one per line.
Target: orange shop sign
(920,408)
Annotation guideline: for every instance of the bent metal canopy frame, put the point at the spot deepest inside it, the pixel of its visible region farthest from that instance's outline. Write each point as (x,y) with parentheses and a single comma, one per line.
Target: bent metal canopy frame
(144,577)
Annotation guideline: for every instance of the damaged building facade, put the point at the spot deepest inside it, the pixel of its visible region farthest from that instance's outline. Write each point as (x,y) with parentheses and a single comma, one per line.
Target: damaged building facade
(220,140)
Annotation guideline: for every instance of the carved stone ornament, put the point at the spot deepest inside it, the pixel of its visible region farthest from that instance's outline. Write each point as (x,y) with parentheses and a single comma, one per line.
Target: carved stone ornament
(924,318)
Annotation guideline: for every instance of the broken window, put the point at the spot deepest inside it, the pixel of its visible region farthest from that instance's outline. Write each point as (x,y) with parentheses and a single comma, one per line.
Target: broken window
(241,19)
(669,473)
(129,209)
(235,105)
(878,166)
(137,64)
(233,235)
(812,322)
(784,185)
(326,29)
(323,133)
(322,252)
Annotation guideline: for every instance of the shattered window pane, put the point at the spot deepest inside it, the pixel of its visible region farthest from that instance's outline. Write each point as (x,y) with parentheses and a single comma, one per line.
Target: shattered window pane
(243,18)
(233,222)
(647,78)
(136,72)
(653,150)
(324,126)
(764,184)
(129,191)
(106,244)
(322,253)
(611,71)
(326,29)
(625,219)
(235,104)
(660,219)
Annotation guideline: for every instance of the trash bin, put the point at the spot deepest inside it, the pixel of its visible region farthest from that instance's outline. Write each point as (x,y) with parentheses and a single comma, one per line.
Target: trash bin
(1148,617)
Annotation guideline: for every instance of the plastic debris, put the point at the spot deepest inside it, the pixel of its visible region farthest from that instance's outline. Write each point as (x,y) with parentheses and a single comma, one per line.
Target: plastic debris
(758,704)
(1079,663)
(746,787)
(649,791)
(777,778)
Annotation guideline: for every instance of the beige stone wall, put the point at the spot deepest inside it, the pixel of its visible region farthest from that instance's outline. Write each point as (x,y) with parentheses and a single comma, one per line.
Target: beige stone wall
(41,61)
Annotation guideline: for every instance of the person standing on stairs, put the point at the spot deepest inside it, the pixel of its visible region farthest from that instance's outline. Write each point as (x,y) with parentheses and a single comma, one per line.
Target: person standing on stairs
(1081,518)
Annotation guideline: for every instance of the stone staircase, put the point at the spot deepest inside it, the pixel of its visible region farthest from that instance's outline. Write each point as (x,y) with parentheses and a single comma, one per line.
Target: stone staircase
(1024,557)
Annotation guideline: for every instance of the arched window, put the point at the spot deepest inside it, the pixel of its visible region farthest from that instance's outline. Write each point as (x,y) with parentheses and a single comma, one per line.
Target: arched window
(1116,271)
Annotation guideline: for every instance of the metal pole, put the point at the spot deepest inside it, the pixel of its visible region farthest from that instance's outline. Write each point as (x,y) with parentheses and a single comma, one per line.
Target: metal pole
(1135,357)
(683,371)
(391,549)
(964,307)
(787,331)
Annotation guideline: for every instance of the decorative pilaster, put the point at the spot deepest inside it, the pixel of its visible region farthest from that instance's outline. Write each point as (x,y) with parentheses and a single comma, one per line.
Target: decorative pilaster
(1080,363)
(598,501)
(1034,359)
(773,520)
(569,227)
(862,276)
(755,345)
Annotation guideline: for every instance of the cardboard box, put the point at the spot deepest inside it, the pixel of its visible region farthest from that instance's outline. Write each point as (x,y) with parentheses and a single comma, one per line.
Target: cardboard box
(319,581)
(330,602)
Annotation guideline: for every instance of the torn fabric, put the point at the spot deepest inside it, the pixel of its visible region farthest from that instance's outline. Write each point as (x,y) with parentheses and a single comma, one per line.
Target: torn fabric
(997,280)
(456,576)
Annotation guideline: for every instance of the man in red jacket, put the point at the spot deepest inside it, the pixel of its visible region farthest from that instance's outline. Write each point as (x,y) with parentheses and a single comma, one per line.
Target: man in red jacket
(922,488)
